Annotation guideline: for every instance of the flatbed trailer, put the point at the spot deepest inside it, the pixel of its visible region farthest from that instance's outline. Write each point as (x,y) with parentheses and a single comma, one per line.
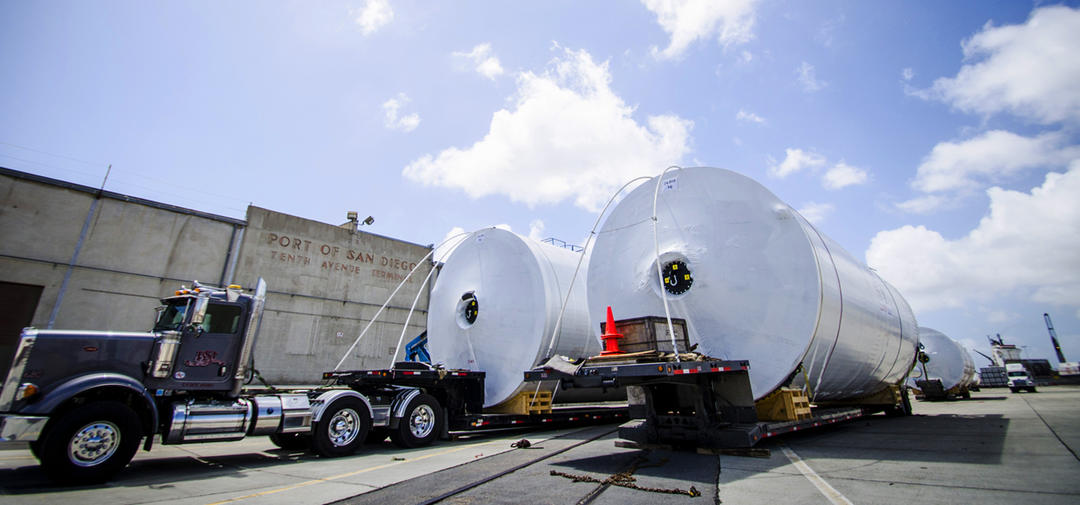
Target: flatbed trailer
(702,402)
(459,397)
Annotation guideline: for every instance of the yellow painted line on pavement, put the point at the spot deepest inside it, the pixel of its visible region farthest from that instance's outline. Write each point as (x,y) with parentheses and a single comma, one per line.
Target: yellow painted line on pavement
(350,474)
(834,496)
(25,456)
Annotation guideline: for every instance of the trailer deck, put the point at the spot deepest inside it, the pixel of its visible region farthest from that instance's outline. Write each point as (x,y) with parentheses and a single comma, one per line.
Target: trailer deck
(461,393)
(699,402)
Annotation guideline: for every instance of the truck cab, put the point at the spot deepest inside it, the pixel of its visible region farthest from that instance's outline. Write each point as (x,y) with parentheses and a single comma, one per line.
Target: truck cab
(1018,378)
(85,399)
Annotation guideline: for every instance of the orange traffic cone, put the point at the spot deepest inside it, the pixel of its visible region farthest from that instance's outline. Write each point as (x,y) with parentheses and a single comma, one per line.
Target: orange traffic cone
(611,336)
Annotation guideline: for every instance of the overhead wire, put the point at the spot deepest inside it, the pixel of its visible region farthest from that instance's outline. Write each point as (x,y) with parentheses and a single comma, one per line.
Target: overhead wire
(420,290)
(659,273)
(391,297)
(166,190)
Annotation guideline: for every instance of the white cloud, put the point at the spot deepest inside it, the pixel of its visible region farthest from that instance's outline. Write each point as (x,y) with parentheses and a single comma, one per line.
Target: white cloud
(536,230)
(795,160)
(483,59)
(730,21)
(567,135)
(746,56)
(989,158)
(1026,244)
(923,204)
(1001,316)
(1030,69)
(826,33)
(374,15)
(808,79)
(393,120)
(743,115)
(842,175)
(907,73)
(816,212)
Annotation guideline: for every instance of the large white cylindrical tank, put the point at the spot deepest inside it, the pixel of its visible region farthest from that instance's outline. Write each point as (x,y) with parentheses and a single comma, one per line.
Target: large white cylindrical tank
(949,361)
(495,305)
(756,281)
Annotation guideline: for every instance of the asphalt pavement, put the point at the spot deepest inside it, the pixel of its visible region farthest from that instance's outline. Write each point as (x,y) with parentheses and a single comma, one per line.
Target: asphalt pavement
(996,448)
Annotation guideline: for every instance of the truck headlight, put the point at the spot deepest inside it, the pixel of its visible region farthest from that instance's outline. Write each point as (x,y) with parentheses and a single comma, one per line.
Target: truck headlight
(26,390)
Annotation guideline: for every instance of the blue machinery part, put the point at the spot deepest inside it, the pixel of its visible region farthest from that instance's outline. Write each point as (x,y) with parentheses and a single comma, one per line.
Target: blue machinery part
(416,349)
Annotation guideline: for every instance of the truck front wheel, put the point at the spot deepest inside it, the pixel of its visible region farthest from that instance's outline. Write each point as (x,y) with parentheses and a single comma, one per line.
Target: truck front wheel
(420,426)
(342,428)
(91,443)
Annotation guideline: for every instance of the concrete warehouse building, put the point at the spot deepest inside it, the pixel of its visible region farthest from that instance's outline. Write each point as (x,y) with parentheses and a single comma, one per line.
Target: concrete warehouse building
(75,257)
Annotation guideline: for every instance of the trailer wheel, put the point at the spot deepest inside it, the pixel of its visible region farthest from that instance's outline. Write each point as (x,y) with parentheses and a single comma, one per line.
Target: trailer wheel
(291,441)
(342,429)
(91,443)
(420,426)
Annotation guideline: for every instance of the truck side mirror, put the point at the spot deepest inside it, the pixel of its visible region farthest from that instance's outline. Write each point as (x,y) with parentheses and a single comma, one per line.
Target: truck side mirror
(198,315)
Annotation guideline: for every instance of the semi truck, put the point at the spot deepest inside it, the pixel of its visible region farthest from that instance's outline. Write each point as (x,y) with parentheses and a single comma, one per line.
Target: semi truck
(84,401)
(1019,378)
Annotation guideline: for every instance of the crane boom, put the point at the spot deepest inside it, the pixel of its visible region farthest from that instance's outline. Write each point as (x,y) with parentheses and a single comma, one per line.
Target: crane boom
(1053,338)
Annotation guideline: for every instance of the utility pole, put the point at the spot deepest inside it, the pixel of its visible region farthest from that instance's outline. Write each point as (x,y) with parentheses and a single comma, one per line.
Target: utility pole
(78,247)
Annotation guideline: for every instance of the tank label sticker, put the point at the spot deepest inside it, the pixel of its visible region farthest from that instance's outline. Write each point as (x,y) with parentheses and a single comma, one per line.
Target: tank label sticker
(669,184)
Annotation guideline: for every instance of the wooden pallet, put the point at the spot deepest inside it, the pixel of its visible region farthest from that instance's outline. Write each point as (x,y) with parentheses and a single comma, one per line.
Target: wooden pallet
(525,403)
(784,405)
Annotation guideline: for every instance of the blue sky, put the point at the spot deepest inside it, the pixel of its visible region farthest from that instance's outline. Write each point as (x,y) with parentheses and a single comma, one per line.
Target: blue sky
(937,140)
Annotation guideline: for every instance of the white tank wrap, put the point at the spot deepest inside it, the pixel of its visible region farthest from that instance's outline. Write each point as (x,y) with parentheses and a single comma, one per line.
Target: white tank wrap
(518,286)
(756,281)
(949,361)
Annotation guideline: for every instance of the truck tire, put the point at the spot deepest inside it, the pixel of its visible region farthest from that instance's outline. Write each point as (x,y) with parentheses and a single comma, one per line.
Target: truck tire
(292,441)
(35,448)
(420,425)
(1014,390)
(342,429)
(91,443)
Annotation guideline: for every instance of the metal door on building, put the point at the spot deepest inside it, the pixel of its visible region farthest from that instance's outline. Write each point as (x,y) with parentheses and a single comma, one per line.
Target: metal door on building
(18,302)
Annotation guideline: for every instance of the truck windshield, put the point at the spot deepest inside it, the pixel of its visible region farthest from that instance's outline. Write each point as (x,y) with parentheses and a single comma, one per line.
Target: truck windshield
(1017,374)
(172,316)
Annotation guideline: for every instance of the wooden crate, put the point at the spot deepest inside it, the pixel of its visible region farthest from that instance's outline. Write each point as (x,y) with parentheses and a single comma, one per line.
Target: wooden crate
(649,334)
(784,405)
(524,403)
